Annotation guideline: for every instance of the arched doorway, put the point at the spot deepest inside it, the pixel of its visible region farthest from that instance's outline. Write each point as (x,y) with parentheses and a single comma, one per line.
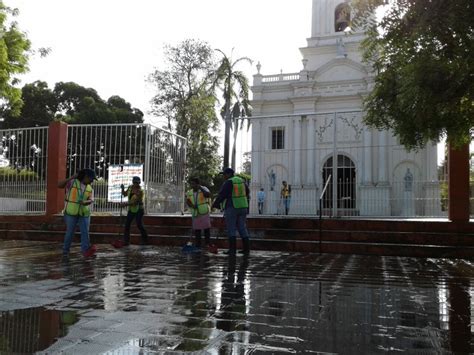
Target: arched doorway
(345,197)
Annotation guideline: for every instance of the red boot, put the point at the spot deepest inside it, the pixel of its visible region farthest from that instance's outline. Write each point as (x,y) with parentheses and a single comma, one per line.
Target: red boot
(90,252)
(117,244)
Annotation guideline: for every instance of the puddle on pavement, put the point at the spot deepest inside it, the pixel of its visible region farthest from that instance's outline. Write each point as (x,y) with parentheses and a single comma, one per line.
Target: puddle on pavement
(272,304)
(33,329)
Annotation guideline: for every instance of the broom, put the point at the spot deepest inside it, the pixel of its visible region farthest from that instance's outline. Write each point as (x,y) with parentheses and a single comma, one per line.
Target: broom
(189,247)
(212,247)
(119,242)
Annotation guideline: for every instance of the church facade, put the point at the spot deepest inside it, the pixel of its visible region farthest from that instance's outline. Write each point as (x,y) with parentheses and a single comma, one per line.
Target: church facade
(307,130)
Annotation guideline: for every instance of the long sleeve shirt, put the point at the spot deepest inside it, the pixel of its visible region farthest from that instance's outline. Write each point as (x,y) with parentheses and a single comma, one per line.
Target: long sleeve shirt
(225,193)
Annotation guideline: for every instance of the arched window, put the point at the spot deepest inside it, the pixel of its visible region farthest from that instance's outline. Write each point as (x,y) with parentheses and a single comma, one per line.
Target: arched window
(342,17)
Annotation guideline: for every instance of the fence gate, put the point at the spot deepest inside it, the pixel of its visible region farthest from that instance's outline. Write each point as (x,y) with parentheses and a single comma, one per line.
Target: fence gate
(23,170)
(116,152)
(339,136)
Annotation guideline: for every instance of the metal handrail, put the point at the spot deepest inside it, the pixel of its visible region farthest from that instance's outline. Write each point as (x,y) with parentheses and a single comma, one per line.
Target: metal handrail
(321,210)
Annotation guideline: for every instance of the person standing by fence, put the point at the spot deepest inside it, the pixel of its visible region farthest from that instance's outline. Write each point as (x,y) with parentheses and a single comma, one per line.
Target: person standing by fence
(198,200)
(233,194)
(79,197)
(136,210)
(260,200)
(285,195)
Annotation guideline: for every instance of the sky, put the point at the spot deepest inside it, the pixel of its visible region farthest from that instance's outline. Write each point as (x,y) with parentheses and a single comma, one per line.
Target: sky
(113,45)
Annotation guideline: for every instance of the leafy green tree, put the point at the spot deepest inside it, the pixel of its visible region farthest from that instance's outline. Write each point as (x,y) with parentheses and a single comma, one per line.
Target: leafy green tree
(39,107)
(203,162)
(189,70)
(69,102)
(247,163)
(184,98)
(73,103)
(235,92)
(14,54)
(422,54)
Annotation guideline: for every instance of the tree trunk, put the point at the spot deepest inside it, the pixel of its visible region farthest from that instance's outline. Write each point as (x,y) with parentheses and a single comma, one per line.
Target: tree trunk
(226,140)
(234,145)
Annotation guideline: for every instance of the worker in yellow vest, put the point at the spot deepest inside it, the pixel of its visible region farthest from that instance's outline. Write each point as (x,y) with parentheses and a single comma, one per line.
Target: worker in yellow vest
(234,194)
(79,197)
(136,210)
(285,196)
(199,202)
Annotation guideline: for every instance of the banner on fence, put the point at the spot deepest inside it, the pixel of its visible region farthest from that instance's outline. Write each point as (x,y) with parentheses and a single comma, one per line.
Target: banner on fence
(122,174)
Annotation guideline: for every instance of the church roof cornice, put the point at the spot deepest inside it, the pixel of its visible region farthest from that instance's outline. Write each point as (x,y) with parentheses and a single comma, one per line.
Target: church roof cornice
(335,62)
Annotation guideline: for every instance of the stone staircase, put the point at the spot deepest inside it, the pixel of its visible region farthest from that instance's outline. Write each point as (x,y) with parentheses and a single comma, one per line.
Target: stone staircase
(345,236)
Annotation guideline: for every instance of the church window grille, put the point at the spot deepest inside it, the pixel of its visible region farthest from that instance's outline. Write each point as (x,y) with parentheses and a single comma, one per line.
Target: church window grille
(278,138)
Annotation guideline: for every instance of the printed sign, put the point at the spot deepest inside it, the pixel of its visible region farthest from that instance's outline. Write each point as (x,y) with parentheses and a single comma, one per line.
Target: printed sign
(122,174)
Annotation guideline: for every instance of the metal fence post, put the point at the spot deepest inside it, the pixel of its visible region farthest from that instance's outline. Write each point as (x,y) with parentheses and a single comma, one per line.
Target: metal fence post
(146,178)
(458,182)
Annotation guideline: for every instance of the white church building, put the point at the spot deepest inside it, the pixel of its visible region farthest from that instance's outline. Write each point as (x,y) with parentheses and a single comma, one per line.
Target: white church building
(304,122)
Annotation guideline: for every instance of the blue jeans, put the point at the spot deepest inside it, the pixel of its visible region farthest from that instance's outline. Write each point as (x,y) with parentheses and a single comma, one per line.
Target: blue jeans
(71,223)
(139,217)
(235,219)
(286,203)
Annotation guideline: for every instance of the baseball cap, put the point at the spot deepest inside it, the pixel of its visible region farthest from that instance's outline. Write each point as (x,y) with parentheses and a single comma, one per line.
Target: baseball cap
(90,173)
(227,171)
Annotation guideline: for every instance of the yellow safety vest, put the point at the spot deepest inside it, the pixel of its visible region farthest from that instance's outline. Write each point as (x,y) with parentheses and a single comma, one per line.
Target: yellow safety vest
(285,192)
(201,206)
(137,201)
(239,194)
(74,197)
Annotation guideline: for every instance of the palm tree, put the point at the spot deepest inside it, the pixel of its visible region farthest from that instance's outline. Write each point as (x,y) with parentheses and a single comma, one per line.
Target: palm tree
(235,91)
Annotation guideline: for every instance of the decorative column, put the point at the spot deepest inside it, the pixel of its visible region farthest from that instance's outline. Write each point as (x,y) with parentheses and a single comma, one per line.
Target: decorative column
(383,187)
(367,177)
(431,186)
(256,149)
(383,157)
(57,156)
(432,159)
(297,151)
(310,153)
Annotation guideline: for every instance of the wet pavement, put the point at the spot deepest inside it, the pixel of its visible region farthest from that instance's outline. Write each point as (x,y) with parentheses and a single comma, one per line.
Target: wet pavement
(146,300)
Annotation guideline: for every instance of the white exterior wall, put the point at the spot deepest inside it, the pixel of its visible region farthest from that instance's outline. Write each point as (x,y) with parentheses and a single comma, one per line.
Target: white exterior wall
(333,79)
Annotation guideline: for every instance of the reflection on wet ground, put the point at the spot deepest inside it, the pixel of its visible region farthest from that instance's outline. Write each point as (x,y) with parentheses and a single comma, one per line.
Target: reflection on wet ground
(157,300)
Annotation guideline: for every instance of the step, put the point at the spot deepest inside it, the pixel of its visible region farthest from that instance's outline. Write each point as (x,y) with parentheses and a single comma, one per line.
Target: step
(272,245)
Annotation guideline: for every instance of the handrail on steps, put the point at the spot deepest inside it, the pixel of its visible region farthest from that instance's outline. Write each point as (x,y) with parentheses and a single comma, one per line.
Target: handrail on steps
(321,210)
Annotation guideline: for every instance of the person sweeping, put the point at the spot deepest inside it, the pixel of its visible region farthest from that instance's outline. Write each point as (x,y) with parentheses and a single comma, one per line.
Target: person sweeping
(199,202)
(136,211)
(234,194)
(79,197)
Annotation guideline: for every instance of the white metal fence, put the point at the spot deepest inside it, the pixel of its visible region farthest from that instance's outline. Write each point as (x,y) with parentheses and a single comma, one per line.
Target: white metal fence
(23,170)
(372,174)
(161,154)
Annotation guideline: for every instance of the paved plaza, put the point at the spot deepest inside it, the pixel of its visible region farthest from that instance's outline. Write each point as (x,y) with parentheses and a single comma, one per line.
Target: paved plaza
(146,300)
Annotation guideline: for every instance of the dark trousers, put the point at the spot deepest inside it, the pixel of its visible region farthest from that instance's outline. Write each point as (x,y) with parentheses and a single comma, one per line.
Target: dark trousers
(260,208)
(139,218)
(207,236)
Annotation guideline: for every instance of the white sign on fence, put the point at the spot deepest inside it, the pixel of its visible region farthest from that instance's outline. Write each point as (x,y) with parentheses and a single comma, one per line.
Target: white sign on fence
(122,174)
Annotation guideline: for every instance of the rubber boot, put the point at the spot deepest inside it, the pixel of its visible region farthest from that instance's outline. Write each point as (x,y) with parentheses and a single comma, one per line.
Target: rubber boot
(245,246)
(207,237)
(197,240)
(232,246)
